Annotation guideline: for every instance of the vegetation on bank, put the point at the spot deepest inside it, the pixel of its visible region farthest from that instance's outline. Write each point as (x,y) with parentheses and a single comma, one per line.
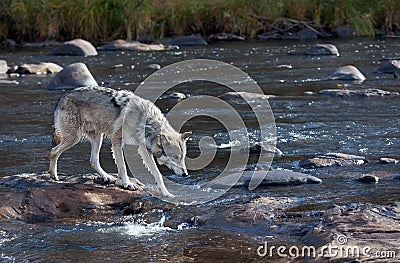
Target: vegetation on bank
(102,20)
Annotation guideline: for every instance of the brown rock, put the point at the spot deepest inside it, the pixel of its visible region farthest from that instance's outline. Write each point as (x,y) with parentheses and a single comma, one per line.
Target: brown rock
(332,159)
(76,47)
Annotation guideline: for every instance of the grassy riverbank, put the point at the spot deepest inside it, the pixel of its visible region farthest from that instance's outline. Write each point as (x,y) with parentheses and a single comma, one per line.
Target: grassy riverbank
(102,20)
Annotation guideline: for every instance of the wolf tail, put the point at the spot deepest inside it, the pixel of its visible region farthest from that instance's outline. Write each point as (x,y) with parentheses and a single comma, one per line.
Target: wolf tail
(56,138)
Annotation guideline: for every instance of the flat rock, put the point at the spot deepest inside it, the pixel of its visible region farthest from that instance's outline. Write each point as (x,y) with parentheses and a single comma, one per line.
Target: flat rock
(256,149)
(122,45)
(37,198)
(76,47)
(384,160)
(368,179)
(358,225)
(358,93)
(3,66)
(273,178)
(73,76)
(226,37)
(346,73)
(241,97)
(323,50)
(174,96)
(389,66)
(192,40)
(41,68)
(332,159)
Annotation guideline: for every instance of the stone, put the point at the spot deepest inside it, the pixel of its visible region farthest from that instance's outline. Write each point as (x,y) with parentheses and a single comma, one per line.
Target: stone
(40,44)
(76,47)
(346,73)
(154,66)
(122,45)
(117,66)
(8,43)
(36,198)
(389,66)
(73,76)
(192,40)
(241,97)
(226,37)
(368,178)
(175,96)
(269,36)
(41,68)
(357,225)
(323,50)
(307,34)
(345,31)
(358,93)
(267,148)
(3,66)
(384,160)
(332,159)
(396,73)
(273,178)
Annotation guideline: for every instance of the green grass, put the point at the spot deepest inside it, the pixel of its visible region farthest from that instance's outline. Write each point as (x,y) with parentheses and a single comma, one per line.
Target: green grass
(103,20)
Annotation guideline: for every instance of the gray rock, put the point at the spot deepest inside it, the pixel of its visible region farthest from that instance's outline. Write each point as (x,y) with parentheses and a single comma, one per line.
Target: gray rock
(396,73)
(76,47)
(122,45)
(3,66)
(269,36)
(347,73)
(368,178)
(389,66)
(323,49)
(384,160)
(154,66)
(241,97)
(257,147)
(358,93)
(332,159)
(41,68)
(36,198)
(192,40)
(273,178)
(175,96)
(357,226)
(73,76)
(226,37)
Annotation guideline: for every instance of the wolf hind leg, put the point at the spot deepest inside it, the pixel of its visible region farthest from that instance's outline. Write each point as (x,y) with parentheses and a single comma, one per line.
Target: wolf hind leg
(96,141)
(64,143)
(151,165)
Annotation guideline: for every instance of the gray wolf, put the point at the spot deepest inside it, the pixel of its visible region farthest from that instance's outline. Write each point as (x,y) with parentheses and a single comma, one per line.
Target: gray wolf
(95,112)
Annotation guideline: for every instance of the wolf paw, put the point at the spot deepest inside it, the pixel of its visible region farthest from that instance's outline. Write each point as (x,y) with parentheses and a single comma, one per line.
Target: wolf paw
(109,179)
(131,186)
(165,193)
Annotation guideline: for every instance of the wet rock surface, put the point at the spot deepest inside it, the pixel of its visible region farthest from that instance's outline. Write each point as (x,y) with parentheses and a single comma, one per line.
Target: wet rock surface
(332,159)
(41,68)
(358,93)
(76,47)
(3,66)
(122,45)
(323,49)
(192,40)
(241,97)
(389,66)
(347,73)
(73,76)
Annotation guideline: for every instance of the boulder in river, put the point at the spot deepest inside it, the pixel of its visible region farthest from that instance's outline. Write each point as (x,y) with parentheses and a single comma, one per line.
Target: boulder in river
(37,198)
(3,66)
(353,228)
(273,178)
(242,96)
(368,178)
(225,37)
(73,76)
(332,159)
(323,49)
(41,68)
(346,73)
(192,40)
(389,66)
(122,45)
(385,160)
(76,47)
(358,93)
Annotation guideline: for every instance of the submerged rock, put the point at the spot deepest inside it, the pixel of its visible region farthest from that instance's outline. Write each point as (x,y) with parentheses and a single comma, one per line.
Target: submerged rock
(323,49)
(389,66)
(346,73)
(358,93)
(154,66)
(3,66)
(73,76)
(76,47)
(241,97)
(192,40)
(41,68)
(174,96)
(273,178)
(384,160)
(332,159)
(368,178)
(226,37)
(36,198)
(122,45)
(358,226)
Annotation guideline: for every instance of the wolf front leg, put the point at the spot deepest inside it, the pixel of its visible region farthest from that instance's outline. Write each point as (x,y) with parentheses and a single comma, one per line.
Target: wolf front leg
(151,165)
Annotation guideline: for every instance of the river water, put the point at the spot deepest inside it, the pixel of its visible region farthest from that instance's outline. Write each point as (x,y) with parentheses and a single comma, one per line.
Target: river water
(307,125)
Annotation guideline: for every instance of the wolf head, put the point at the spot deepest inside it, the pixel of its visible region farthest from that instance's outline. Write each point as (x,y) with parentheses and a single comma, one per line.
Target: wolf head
(171,152)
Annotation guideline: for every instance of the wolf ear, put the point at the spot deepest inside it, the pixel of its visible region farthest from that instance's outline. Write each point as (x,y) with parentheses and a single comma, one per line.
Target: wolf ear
(185,135)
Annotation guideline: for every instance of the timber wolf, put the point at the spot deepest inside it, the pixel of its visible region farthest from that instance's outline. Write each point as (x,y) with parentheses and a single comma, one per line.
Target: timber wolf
(94,112)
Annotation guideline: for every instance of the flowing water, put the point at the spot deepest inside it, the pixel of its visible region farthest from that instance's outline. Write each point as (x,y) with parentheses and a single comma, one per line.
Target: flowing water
(307,124)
